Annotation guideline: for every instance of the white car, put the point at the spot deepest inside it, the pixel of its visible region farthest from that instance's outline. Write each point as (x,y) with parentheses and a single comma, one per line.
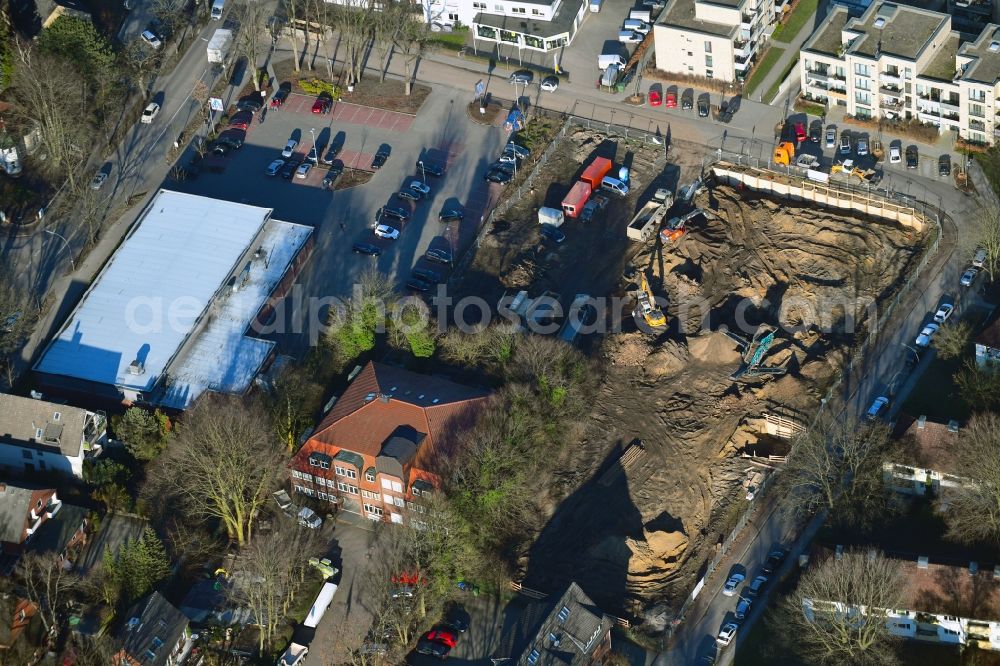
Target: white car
(831,138)
(150,112)
(289,148)
(303,171)
(941,316)
(550,84)
(969,276)
(151,39)
(895,155)
(385,231)
(734,582)
(727,633)
(274,167)
(630,37)
(924,339)
(423,188)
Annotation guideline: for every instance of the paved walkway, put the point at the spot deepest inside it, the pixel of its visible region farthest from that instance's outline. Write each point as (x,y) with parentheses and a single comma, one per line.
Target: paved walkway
(791,52)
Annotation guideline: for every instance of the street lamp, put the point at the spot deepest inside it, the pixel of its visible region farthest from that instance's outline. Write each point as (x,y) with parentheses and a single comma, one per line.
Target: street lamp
(312,130)
(66,245)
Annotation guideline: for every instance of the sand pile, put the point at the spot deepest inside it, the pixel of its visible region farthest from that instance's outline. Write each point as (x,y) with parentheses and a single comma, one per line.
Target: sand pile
(654,556)
(714,347)
(669,359)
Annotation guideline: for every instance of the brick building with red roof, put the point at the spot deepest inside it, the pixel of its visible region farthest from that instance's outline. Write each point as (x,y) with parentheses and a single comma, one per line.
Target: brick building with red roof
(378,447)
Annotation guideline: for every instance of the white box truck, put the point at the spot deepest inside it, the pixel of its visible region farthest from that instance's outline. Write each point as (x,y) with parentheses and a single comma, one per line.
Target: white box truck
(219,46)
(296,653)
(553,216)
(606,60)
(640,15)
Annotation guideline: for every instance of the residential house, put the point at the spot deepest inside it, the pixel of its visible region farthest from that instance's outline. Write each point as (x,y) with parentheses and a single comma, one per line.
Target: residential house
(23,510)
(42,437)
(64,534)
(924,464)
(15,617)
(116,530)
(715,39)
(568,630)
(155,634)
(988,347)
(376,451)
(956,605)
(902,62)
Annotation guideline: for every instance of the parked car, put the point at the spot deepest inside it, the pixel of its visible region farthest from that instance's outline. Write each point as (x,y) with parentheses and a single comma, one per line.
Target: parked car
(435,170)
(427,275)
(451,215)
(366,248)
(895,154)
(943,313)
(151,39)
(831,137)
(702,108)
(322,105)
(381,157)
(862,146)
(499,176)
(655,99)
(334,148)
(303,171)
(524,77)
(551,233)
(392,211)
(149,113)
(630,36)
(422,188)
(774,560)
(385,231)
(926,335)
(815,131)
(671,102)
(969,276)
(241,120)
(754,588)
(457,618)
(687,100)
(280,95)
(416,284)
(550,84)
(99,179)
(520,151)
(437,642)
(729,589)
(408,195)
(220,149)
(800,132)
(742,608)
(725,112)
(727,633)
(877,407)
(912,157)
(233,138)
(274,168)
(439,255)
(944,166)
(979,258)
(289,148)
(250,104)
(291,165)
(845,143)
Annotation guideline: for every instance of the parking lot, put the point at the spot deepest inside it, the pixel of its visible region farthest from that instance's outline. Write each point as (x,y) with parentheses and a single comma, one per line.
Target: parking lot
(440,134)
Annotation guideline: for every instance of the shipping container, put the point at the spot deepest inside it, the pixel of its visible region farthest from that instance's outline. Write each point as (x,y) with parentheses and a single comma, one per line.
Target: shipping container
(574,202)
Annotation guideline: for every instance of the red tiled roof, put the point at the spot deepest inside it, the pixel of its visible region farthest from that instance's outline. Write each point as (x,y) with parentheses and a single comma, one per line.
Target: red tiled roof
(951,590)
(929,447)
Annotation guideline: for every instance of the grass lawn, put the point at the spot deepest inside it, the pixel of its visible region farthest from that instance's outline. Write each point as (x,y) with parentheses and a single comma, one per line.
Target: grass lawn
(773,90)
(990,163)
(450,40)
(803,11)
(760,71)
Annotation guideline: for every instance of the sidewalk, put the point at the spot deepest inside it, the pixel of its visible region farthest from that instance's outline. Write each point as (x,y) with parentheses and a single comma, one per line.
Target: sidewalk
(791,52)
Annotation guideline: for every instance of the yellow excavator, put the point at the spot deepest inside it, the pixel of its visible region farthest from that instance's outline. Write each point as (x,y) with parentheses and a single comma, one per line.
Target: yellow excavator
(647,307)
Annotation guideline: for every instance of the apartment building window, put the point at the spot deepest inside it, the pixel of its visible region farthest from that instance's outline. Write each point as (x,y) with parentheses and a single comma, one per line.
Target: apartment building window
(862,98)
(370,475)
(863,84)
(862,70)
(907,73)
(860,112)
(518,10)
(839,73)
(372,509)
(976,110)
(452,16)
(977,95)
(367,494)
(708,47)
(347,488)
(498,8)
(708,73)
(708,61)
(536,12)
(481,6)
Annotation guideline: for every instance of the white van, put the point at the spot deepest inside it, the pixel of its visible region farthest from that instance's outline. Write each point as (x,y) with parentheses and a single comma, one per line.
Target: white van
(638,26)
(606,60)
(610,76)
(217,7)
(640,15)
(630,37)
(614,185)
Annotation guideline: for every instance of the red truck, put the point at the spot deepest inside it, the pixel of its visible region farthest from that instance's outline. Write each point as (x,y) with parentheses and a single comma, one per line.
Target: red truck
(596,171)
(574,202)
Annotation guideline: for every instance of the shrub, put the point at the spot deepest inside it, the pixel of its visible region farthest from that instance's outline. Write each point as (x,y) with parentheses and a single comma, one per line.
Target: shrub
(316,86)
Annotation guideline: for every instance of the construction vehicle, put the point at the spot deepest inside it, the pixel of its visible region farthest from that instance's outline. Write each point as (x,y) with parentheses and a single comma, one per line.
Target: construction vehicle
(754,351)
(676,227)
(784,152)
(645,222)
(864,175)
(847,166)
(646,308)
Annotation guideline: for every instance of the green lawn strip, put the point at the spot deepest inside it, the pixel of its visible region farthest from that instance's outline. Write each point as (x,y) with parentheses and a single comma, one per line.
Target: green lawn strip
(990,164)
(763,67)
(803,12)
(773,90)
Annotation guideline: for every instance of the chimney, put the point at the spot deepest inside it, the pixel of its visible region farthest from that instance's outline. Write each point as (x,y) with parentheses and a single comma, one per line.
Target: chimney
(953,427)
(3,487)
(384,397)
(923,562)
(922,422)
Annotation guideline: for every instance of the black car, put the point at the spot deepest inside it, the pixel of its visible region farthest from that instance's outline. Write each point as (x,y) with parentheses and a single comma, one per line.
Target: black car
(408,194)
(451,215)
(416,284)
(332,174)
(426,274)
(252,104)
(702,108)
(392,211)
(725,114)
(509,167)
(233,137)
(381,157)
(220,149)
(366,248)
(550,232)
(288,170)
(432,648)
(687,100)
(912,157)
(498,176)
(439,255)
(944,165)
(457,618)
(433,169)
(524,77)
(774,560)
(816,131)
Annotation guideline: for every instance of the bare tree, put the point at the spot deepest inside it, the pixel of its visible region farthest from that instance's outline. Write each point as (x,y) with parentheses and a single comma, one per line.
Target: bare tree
(294,9)
(836,466)
(953,339)
(200,93)
(974,506)
(412,41)
(387,25)
(17,316)
(989,239)
(169,14)
(837,613)
(222,465)
(294,402)
(979,387)
(253,36)
(354,21)
(141,62)
(48,584)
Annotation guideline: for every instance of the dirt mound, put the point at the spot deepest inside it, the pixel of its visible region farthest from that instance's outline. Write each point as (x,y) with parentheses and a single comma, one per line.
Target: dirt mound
(668,360)
(627,349)
(654,557)
(714,347)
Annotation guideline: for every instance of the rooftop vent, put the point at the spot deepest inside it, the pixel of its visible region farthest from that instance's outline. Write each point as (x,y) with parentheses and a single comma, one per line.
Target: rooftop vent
(56,416)
(923,562)
(953,426)
(994,46)
(435,401)
(384,397)
(370,397)
(136,367)
(879,22)
(996,571)
(973,568)
(922,422)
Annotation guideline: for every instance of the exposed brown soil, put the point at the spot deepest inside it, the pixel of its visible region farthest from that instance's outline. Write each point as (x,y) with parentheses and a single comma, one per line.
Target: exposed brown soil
(353,178)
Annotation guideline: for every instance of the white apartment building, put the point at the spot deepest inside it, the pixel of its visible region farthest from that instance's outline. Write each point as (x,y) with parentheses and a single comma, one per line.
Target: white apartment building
(717,39)
(39,437)
(900,62)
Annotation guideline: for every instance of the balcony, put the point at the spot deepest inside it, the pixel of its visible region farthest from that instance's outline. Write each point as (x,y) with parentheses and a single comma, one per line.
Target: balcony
(977,125)
(950,105)
(742,49)
(840,76)
(893,106)
(890,92)
(890,79)
(741,66)
(817,75)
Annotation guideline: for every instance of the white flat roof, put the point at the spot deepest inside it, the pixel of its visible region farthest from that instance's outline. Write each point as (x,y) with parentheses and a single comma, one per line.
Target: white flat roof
(151,294)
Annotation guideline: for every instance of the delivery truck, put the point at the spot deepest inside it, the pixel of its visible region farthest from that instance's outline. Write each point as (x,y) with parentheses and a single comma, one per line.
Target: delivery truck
(645,223)
(574,202)
(219,46)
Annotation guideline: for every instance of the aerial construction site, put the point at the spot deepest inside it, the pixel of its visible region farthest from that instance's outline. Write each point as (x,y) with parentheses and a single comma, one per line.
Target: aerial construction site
(740,310)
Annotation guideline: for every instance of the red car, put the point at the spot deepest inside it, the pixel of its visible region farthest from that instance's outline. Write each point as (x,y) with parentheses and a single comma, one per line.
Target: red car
(241,120)
(671,100)
(322,105)
(654,98)
(279,98)
(443,635)
(800,132)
